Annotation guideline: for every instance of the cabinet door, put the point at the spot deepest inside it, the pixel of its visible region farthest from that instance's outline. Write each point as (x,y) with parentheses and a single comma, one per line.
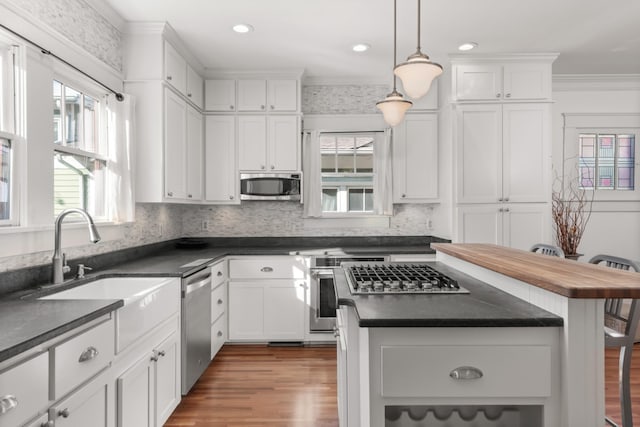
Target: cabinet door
(167,379)
(194,154)
(220,95)
(175,157)
(221,160)
(478,82)
(526,224)
(252,95)
(526,158)
(194,87)
(284,304)
(415,159)
(40,422)
(246,311)
(284,143)
(527,81)
(252,143)
(480,224)
(479,153)
(175,68)
(135,395)
(91,405)
(282,95)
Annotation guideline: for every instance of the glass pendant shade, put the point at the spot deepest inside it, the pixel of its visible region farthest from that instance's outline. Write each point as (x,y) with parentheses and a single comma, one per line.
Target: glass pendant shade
(393,108)
(417,74)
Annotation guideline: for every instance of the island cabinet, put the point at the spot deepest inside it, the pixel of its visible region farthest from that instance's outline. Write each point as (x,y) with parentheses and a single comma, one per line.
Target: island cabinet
(415,159)
(267,298)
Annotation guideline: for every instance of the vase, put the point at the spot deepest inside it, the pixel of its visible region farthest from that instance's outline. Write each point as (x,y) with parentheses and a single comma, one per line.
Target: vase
(573,256)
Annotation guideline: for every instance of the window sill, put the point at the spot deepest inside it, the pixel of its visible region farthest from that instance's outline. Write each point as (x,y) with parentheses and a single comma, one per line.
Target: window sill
(350,221)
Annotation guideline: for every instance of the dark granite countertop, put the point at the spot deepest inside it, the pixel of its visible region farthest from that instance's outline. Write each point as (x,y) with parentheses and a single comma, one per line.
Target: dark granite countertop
(484,306)
(25,324)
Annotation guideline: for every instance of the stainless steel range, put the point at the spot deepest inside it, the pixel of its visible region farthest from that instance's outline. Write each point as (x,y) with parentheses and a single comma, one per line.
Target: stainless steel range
(399,278)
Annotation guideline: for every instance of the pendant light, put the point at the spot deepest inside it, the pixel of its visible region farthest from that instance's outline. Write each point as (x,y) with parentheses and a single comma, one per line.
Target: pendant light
(394,105)
(418,72)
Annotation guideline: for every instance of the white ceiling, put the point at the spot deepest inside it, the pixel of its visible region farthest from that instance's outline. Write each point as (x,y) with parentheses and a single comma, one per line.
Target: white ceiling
(591,36)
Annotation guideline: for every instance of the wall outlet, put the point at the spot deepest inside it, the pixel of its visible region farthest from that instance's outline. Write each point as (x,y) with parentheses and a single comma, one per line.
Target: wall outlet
(159,229)
(429,224)
(205,225)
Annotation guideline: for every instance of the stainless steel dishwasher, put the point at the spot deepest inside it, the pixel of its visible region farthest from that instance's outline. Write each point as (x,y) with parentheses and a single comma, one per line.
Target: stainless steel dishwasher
(196,326)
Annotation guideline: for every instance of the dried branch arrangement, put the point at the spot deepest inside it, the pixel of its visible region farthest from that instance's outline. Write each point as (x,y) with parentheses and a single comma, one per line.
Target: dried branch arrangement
(571,211)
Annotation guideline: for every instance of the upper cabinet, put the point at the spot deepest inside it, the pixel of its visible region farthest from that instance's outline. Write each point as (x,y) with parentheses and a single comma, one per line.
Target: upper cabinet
(253,95)
(268,143)
(515,77)
(180,75)
(220,95)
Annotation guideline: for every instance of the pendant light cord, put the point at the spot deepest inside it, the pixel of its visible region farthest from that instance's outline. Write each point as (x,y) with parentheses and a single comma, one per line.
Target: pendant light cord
(419,25)
(395,8)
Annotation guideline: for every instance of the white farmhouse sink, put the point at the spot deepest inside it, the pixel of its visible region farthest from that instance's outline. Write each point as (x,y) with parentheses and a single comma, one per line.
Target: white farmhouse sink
(147,302)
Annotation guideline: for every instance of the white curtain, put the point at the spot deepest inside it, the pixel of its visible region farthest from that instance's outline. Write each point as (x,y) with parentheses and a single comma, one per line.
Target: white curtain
(120,133)
(311,167)
(383,184)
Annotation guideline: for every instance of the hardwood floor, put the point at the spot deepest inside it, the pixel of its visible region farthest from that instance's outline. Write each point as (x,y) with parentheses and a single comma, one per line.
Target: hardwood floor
(296,386)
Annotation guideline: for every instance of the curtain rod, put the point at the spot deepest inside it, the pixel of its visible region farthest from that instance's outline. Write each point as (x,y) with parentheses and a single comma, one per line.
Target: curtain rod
(118,95)
(346,132)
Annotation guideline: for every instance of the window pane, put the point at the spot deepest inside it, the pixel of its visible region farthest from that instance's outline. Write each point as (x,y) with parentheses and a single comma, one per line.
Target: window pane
(356,200)
(587,178)
(345,163)
(6,88)
(72,117)
(626,146)
(57,112)
(5,179)
(625,162)
(79,182)
(329,199)
(90,141)
(606,148)
(588,146)
(368,200)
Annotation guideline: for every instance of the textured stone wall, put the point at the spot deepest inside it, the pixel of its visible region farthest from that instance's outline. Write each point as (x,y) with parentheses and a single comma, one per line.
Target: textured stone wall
(80,23)
(342,99)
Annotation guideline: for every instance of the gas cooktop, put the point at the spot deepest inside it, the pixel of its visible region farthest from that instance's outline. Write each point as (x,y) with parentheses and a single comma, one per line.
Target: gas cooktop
(398,278)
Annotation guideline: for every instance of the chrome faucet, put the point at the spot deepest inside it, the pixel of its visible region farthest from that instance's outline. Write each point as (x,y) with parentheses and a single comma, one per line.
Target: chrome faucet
(59,262)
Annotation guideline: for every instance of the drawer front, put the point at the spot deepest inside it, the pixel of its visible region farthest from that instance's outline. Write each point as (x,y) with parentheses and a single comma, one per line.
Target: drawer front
(218,335)
(218,302)
(507,371)
(80,358)
(23,390)
(218,273)
(268,268)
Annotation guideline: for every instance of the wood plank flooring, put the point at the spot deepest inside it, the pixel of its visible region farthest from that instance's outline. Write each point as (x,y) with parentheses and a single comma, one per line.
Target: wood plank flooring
(256,386)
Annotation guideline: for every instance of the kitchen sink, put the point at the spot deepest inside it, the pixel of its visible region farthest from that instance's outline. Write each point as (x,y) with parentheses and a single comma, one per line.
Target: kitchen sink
(146,302)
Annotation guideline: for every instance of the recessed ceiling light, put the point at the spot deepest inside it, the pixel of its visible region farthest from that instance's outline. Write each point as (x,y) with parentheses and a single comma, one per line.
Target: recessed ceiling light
(360,47)
(242,28)
(467,46)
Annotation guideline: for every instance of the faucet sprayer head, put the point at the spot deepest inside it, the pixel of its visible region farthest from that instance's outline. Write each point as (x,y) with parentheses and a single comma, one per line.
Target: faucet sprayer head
(94,236)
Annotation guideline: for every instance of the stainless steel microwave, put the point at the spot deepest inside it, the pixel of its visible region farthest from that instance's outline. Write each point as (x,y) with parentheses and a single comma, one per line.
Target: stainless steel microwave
(270,186)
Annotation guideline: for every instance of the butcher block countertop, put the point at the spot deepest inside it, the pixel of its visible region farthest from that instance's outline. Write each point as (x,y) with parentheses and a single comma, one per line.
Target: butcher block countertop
(565,277)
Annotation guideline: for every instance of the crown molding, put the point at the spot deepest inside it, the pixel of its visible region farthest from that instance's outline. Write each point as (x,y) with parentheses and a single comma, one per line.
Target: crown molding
(474,58)
(217,73)
(595,82)
(346,80)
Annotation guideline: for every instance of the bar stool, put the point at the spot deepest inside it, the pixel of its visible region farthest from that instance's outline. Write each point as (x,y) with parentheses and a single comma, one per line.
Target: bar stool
(547,250)
(622,340)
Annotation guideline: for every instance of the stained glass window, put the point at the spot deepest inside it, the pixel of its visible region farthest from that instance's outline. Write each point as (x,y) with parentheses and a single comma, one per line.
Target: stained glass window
(607,161)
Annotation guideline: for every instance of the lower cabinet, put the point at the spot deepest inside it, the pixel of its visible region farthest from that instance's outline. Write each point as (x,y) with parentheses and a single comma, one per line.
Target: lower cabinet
(515,225)
(42,421)
(270,310)
(88,406)
(149,389)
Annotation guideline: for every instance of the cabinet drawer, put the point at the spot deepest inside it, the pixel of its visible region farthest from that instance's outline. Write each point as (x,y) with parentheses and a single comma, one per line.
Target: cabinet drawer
(25,388)
(218,302)
(507,371)
(80,358)
(218,335)
(268,268)
(218,273)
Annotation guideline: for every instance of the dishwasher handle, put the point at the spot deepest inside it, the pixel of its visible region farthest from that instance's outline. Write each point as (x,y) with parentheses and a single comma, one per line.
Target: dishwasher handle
(192,287)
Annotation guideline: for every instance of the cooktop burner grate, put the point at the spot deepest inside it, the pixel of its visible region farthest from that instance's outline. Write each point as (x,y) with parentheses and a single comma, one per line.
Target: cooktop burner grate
(399,278)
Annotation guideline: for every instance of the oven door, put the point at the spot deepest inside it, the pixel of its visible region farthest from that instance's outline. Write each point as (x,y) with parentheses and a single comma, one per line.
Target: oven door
(323,304)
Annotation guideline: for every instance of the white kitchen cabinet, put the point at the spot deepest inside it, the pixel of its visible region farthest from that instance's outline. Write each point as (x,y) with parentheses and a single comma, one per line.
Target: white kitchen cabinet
(517,225)
(246,311)
(175,123)
(194,162)
(220,95)
(167,378)
(134,389)
(503,153)
(415,159)
(268,95)
(218,306)
(41,421)
(221,159)
(24,389)
(195,85)
(497,82)
(91,405)
(175,68)
(268,143)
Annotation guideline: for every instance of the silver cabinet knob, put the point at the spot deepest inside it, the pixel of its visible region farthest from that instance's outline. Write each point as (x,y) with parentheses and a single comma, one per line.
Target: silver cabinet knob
(189,95)
(64,413)
(272,167)
(506,199)
(219,274)
(169,78)
(498,95)
(89,354)
(189,196)
(48,424)
(508,95)
(501,199)
(154,358)
(403,196)
(262,167)
(230,197)
(506,209)
(170,194)
(273,107)
(219,333)
(161,353)
(336,332)
(220,301)
(501,210)
(7,403)
(262,107)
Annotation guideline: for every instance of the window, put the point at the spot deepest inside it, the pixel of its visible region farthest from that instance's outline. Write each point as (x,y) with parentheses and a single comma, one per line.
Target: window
(8,138)
(347,172)
(80,157)
(607,161)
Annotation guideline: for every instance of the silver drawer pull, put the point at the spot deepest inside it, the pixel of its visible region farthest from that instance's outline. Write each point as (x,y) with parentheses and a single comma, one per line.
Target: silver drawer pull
(7,403)
(266,269)
(88,354)
(466,373)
